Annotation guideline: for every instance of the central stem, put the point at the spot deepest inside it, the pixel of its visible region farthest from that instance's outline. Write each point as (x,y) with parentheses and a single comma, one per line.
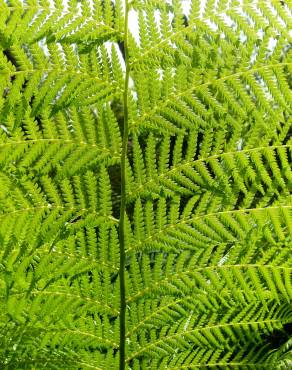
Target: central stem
(123,198)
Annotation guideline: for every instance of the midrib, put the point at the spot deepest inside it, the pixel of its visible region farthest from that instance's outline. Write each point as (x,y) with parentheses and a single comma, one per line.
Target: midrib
(123,198)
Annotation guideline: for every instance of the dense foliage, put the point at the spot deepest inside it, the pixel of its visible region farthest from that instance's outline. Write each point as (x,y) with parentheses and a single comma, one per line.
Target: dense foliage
(145,184)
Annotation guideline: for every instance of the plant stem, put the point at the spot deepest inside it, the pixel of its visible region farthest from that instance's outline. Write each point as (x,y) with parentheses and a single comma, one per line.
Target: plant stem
(123,198)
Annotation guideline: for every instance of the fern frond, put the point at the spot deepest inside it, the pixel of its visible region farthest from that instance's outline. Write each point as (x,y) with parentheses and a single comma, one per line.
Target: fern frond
(49,275)
(192,169)
(182,125)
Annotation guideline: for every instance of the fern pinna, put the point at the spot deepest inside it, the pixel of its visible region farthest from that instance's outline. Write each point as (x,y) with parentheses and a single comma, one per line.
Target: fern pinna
(145,154)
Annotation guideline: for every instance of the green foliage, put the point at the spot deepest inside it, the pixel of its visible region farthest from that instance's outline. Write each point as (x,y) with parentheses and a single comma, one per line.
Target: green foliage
(206,236)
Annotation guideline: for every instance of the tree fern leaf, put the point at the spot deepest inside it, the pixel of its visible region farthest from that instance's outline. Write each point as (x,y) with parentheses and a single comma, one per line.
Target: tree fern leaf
(184,123)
